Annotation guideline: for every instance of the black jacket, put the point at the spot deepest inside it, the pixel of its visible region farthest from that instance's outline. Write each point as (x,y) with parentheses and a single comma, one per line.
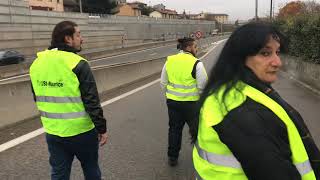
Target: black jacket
(259,139)
(89,92)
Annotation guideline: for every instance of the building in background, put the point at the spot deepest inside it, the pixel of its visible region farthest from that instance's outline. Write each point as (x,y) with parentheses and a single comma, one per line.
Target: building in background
(159,7)
(165,13)
(220,18)
(129,9)
(46,5)
(71,6)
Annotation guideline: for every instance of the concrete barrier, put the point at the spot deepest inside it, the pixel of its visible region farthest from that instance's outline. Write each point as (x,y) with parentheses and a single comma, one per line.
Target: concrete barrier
(17,100)
(308,73)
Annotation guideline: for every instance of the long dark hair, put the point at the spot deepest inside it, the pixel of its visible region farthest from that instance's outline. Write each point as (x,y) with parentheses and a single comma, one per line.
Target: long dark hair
(230,67)
(62,29)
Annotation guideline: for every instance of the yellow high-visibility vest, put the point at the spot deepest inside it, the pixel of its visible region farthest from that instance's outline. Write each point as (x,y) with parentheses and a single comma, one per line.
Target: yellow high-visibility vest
(213,159)
(57,92)
(182,86)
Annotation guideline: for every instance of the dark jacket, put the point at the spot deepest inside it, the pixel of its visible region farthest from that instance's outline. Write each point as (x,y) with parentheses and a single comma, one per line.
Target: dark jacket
(259,140)
(89,92)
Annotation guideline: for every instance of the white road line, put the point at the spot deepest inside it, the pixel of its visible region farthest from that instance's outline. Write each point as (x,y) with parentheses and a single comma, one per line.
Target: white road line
(129,93)
(129,53)
(21,139)
(216,44)
(40,131)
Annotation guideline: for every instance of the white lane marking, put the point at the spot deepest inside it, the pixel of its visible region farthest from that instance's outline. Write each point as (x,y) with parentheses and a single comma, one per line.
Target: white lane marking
(153,54)
(21,139)
(129,93)
(26,75)
(215,45)
(129,53)
(14,77)
(40,131)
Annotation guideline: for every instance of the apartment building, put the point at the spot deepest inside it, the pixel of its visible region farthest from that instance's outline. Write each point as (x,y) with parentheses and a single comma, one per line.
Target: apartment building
(47,5)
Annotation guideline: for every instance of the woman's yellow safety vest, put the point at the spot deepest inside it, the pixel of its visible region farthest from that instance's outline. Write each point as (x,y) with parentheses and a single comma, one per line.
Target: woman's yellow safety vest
(181,85)
(58,97)
(213,159)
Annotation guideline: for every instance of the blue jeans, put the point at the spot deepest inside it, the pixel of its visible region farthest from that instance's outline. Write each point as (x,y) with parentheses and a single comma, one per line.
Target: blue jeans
(63,149)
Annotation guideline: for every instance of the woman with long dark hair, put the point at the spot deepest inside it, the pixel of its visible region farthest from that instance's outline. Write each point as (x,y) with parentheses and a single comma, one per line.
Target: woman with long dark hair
(246,130)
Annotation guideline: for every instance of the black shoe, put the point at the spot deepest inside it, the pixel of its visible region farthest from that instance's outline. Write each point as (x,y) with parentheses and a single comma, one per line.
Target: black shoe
(173,161)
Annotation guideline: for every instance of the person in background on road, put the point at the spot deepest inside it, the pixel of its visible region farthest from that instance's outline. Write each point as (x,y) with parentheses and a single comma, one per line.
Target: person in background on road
(183,78)
(67,98)
(246,130)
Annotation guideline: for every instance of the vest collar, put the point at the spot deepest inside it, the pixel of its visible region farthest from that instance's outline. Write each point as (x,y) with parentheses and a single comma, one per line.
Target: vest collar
(251,79)
(185,52)
(64,47)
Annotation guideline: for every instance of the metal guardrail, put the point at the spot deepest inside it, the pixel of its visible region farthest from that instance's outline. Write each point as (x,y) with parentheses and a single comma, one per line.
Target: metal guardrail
(21,70)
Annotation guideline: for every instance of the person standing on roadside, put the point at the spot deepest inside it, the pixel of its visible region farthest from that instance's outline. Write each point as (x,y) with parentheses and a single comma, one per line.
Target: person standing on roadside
(68,101)
(182,79)
(246,129)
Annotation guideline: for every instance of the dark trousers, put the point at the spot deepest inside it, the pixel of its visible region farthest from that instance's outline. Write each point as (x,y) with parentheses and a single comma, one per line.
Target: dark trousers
(179,114)
(62,151)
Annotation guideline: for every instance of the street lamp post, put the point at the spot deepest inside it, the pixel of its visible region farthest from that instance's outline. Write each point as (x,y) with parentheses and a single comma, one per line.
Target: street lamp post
(271,4)
(256,18)
(80,4)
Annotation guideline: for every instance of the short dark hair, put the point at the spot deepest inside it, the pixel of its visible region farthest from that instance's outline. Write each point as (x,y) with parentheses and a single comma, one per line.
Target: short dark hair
(183,43)
(60,31)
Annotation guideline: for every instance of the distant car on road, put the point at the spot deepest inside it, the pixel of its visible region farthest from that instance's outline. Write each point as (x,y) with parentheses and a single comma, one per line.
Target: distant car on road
(8,57)
(214,32)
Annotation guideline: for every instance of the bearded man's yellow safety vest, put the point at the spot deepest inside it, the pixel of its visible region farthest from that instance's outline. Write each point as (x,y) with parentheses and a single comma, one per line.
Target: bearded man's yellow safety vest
(181,85)
(58,97)
(213,159)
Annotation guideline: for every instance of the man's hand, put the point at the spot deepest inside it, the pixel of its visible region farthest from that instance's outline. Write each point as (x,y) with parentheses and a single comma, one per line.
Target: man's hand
(103,138)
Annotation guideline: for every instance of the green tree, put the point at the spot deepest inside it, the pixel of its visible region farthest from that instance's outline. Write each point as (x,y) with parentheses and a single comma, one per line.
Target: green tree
(99,6)
(145,10)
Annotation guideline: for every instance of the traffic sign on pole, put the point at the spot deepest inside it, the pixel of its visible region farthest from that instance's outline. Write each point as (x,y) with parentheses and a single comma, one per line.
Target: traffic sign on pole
(198,34)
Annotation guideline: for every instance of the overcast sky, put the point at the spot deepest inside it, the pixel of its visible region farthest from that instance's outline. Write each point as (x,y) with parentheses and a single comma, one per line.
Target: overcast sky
(236,9)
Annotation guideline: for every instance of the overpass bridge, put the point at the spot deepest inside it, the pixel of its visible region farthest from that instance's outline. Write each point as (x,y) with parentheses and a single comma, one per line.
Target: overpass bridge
(137,120)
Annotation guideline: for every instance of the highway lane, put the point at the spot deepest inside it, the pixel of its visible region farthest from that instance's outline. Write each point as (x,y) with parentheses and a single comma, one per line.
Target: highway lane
(140,55)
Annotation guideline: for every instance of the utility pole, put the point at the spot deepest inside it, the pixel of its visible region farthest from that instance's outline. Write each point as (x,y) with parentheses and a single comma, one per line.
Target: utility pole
(80,4)
(256,18)
(271,4)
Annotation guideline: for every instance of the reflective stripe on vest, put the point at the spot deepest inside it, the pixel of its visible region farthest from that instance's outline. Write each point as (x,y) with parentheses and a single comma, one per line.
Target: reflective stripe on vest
(213,113)
(304,168)
(182,86)
(231,161)
(63,116)
(57,92)
(218,159)
(54,99)
(182,94)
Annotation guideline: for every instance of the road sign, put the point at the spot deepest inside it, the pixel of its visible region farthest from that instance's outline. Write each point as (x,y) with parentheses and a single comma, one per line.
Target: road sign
(192,35)
(198,34)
